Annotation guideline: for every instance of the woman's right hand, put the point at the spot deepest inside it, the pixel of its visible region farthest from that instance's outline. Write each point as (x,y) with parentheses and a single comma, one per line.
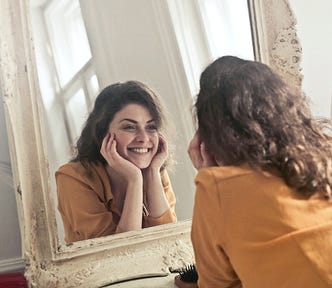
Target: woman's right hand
(119,164)
(131,216)
(198,154)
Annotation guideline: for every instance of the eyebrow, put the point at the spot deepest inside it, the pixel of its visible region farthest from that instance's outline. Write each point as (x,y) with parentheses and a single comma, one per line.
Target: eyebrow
(134,121)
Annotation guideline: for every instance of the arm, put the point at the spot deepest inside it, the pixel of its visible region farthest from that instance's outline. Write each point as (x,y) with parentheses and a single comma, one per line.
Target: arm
(131,177)
(131,217)
(84,214)
(169,216)
(155,198)
(213,265)
(156,201)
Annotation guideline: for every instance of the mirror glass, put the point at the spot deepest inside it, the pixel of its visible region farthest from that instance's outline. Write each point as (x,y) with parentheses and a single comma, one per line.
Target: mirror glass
(83,46)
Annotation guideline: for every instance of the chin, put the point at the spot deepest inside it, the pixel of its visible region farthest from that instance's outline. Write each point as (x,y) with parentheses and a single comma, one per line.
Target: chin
(142,165)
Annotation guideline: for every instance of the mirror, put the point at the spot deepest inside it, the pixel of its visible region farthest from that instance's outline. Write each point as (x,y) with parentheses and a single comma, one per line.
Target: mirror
(103,260)
(82,46)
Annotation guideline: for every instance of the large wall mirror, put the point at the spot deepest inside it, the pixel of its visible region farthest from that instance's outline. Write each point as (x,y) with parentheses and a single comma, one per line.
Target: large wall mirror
(163,43)
(83,46)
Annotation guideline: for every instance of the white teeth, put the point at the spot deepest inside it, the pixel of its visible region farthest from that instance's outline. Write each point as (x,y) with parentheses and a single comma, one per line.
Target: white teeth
(140,150)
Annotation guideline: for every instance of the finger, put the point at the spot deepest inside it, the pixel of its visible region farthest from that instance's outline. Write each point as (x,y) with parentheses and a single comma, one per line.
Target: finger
(105,140)
(197,160)
(197,138)
(204,152)
(104,144)
(113,147)
(194,143)
(109,142)
(208,160)
(163,147)
(195,156)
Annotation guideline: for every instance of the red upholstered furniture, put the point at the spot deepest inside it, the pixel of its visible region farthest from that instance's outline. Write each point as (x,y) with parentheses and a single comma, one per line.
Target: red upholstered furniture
(13,280)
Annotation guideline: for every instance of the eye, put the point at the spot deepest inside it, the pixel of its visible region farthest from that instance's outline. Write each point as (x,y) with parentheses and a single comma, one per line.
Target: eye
(152,128)
(129,127)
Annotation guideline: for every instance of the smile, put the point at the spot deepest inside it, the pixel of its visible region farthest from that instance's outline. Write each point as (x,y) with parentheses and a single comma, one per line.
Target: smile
(140,150)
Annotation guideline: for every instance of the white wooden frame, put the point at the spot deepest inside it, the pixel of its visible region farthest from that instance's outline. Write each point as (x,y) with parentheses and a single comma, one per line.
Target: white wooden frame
(99,261)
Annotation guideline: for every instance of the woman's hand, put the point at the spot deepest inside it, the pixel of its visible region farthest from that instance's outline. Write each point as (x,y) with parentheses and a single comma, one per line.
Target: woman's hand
(131,216)
(160,157)
(198,154)
(122,166)
(155,198)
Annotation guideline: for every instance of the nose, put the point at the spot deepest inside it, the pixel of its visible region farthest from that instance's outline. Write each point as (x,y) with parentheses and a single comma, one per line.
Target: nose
(142,136)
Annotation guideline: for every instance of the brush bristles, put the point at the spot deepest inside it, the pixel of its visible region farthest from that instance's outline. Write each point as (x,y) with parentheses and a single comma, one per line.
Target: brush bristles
(189,274)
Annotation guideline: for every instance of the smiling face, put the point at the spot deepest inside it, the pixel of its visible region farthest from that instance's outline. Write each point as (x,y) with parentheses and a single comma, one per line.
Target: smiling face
(136,134)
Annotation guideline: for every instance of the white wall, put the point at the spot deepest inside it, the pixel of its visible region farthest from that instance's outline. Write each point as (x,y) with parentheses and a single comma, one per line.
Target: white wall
(314,29)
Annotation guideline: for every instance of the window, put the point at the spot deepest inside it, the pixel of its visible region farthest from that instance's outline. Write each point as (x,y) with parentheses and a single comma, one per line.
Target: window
(227,27)
(69,64)
(68,38)
(208,29)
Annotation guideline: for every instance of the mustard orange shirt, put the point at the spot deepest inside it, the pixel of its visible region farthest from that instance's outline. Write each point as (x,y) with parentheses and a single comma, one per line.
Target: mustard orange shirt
(85,202)
(251,230)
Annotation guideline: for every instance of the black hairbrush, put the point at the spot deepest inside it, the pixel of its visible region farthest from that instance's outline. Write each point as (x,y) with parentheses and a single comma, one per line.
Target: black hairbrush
(187,277)
(189,274)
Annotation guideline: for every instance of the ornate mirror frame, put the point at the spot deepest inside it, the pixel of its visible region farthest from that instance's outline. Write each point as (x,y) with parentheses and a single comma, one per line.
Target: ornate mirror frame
(114,258)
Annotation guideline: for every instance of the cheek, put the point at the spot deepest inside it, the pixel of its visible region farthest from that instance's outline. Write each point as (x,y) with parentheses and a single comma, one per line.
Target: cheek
(122,140)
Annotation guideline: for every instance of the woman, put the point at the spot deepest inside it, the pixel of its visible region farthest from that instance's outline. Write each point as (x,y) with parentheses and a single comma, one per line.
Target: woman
(117,181)
(263,211)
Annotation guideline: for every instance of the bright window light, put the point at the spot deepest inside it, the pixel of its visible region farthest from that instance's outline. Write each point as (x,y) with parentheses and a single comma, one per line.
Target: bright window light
(77,112)
(93,86)
(68,38)
(227,27)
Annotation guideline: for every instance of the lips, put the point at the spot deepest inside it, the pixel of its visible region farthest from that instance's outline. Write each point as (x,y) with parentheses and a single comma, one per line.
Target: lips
(140,150)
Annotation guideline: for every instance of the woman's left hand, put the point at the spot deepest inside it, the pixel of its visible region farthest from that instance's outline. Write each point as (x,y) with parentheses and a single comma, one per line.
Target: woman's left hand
(162,153)
(155,198)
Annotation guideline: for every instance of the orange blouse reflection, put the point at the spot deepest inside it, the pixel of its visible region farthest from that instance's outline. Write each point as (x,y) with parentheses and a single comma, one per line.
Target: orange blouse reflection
(118,181)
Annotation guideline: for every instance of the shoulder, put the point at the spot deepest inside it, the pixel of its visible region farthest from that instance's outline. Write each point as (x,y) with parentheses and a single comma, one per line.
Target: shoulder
(222,173)
(79,171)
(73,169)
(235,179)
(243,181)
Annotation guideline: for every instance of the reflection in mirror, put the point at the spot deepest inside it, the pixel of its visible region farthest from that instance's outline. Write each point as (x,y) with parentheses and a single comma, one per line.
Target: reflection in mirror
(83,46)
(124,185)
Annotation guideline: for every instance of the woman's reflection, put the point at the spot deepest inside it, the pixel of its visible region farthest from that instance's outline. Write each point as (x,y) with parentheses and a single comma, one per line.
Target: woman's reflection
(117,180)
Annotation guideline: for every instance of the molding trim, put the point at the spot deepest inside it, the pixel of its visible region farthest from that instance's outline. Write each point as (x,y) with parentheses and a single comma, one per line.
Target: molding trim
(12,265)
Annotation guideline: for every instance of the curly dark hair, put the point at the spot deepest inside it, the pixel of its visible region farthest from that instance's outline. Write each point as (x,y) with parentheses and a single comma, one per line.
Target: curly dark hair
(111,100)
(247,114)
